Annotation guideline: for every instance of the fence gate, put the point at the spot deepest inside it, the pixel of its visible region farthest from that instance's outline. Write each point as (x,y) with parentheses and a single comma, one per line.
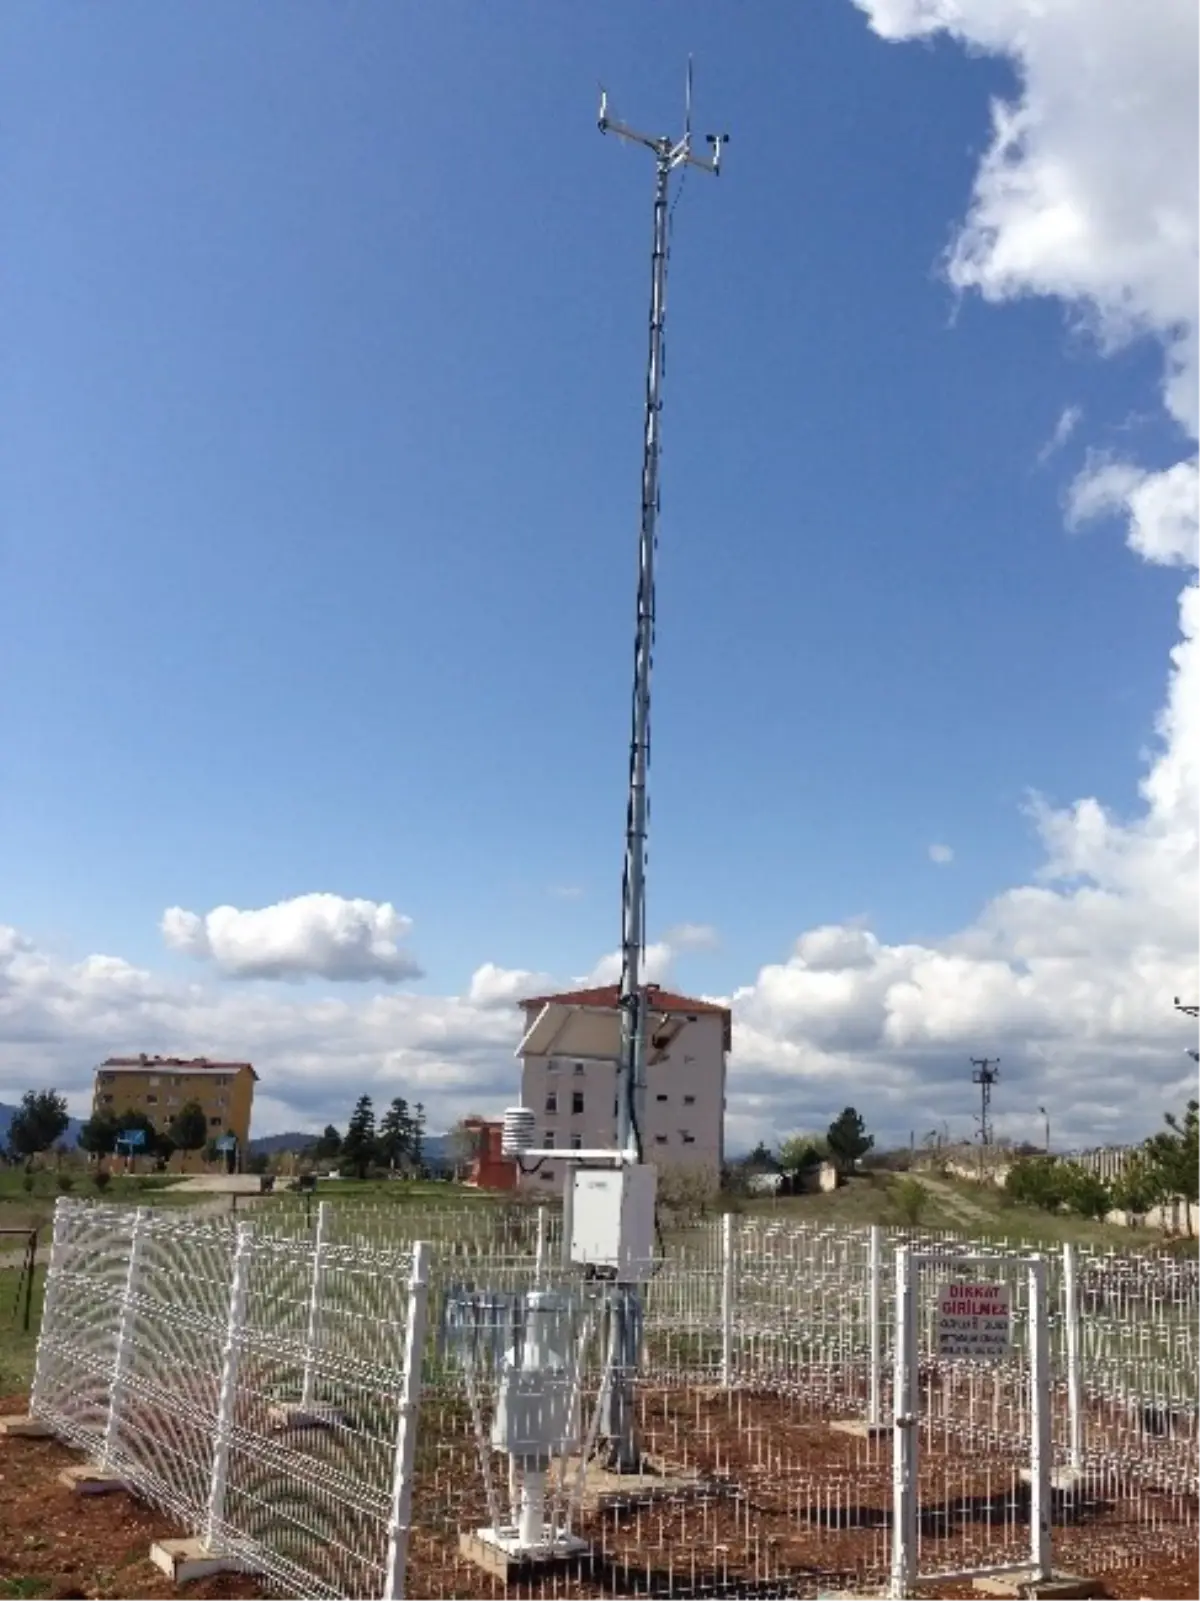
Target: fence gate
(972,1444)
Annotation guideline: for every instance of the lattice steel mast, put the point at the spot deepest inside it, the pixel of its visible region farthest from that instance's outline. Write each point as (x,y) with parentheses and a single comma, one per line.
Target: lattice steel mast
(669,155)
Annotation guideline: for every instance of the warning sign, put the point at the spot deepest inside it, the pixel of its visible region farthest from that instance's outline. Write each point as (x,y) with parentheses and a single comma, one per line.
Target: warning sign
(973,1320)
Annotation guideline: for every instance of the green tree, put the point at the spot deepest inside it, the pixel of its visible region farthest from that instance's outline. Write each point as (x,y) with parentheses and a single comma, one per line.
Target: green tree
(848,1139)
(1174,1156)
(329,1146)
(799,1152)
(759,1160)
(359,1146)
(37,1122)
(1138,1186)
(1036,1181)
(99,1134)
(189,1127)
(395,1141)
(1085,1192)
(416,1149)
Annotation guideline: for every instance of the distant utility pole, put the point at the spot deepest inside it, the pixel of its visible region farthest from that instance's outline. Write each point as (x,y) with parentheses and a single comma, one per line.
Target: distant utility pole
(1188,1011)
(986,1072)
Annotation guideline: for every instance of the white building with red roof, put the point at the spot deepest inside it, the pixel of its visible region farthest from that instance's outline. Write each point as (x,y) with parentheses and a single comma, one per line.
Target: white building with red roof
(569,1083)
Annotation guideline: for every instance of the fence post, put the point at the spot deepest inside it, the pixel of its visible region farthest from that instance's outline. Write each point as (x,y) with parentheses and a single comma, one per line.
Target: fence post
(875,1330)
(125,1332)
(1074,1380)
(906,1433)
(540,1248)
(406,1427)
(728,1247)
(313,1331)
(223,1433)
(1039,1420)
(58,1248)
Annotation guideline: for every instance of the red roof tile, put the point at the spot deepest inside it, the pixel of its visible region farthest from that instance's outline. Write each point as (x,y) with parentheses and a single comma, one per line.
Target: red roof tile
(177,1061)
(662,1000)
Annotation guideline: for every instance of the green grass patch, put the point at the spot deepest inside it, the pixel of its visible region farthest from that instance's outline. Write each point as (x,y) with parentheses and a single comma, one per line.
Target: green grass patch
(18,1348)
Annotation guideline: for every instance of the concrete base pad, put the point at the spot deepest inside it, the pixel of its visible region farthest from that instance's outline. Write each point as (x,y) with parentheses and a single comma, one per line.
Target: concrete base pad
(183,1560)
(1064,1481)
(1024,1584)
(510,1566)
(602,1488)
(86,1478)
(861,1429)
(21,1425)
(291,1416)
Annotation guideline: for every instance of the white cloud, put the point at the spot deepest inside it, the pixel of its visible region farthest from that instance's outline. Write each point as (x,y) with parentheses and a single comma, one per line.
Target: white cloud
(1088,194)
(504,986)
(311,936)
(1068,422)
(943,855)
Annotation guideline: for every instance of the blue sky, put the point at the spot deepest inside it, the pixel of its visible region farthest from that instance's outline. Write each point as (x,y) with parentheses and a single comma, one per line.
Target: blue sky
(324,336)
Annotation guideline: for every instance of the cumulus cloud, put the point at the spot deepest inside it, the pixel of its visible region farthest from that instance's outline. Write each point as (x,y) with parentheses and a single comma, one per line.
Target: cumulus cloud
(943,855)
(310,936)
(1086,194)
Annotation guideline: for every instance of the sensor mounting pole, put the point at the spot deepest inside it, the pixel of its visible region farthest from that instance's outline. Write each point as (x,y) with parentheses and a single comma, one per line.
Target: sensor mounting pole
(669,155)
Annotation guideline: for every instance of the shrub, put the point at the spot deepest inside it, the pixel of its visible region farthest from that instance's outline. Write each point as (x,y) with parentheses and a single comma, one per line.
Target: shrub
(1084,1192)
(65,1183)
(911,1198)
(1037,1181)
(102,1178)
(27,1183)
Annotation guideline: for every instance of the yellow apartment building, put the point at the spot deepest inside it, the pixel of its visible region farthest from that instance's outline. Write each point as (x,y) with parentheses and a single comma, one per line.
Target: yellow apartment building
(161,1086)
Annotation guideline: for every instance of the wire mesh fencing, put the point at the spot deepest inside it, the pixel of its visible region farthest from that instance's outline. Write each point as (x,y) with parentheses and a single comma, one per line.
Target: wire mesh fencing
(260,1381)
(259,1390)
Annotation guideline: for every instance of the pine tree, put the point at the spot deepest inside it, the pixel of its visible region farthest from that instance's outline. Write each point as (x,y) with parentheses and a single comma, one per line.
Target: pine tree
(396,1135)
(848,1139)
(359,1148)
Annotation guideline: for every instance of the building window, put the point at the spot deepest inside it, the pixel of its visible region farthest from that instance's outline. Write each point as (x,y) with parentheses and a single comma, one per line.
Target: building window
(553,1065)
(107,1099)
(577,1142)
(546,1178)
(660,1139)
(152,1100)
(689,1100)
(155,1082)
(578,1069)
(107,1078)
(576,1103)
(215,1122)
(660,1097)
(177,1081)
(688,1139)
(549,1140)
(552,1102)
(221,1081)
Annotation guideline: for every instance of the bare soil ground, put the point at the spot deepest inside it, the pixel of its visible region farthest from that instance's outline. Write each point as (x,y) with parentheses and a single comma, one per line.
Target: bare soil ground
(57,1544)
(789,1508)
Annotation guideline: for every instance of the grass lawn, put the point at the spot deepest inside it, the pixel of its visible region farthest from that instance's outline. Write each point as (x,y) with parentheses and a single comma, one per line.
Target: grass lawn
(956,1205)
(17,1348)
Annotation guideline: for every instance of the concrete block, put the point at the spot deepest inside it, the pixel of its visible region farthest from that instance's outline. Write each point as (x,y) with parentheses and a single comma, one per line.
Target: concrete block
(1063,1481)
(290,1417)
(493,1557)
(861,1429)
(184,1560)
(1063,1585)
(88,1478)
(603,1489)
(20,1425)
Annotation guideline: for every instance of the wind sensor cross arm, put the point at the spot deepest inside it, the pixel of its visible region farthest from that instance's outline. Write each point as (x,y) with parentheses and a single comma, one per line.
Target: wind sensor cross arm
(670,153)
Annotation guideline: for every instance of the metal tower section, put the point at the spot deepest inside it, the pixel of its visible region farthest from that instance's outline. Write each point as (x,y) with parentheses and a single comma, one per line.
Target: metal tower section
(669,155)
(987,1071)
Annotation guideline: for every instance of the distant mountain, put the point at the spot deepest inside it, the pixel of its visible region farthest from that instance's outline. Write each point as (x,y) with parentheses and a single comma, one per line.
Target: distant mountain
(7,1113)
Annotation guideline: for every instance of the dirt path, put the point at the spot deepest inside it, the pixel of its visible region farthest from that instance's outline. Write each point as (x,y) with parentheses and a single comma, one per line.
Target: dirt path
(960,1207)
